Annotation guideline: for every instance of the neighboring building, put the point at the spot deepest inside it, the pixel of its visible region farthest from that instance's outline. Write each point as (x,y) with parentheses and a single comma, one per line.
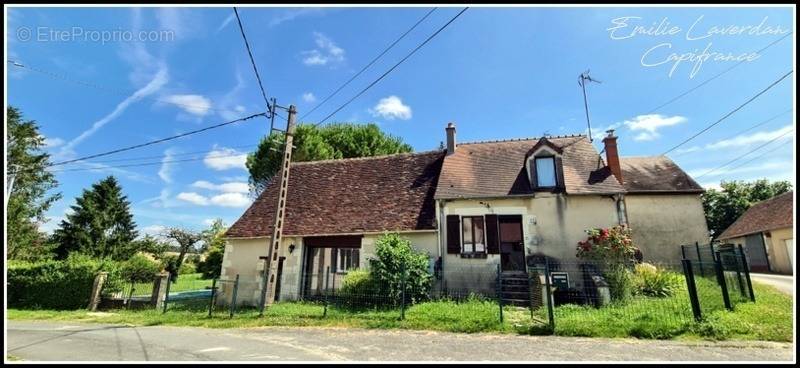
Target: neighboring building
(472,207)
(765,231)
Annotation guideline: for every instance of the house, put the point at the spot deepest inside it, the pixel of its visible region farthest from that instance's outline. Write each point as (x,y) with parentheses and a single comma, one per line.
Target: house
(765,232)
(472,207)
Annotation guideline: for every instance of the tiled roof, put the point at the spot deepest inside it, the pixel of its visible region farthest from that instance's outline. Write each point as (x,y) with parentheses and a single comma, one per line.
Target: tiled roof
(344,196)
(655,174)
(497,169)
(771,214)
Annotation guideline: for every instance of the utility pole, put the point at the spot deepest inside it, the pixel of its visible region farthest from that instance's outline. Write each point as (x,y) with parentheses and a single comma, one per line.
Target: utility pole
(271,261)
(582,82)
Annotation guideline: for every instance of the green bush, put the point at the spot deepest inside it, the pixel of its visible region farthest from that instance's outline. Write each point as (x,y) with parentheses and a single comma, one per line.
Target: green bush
(395,261)
(652,281)
(620,282)
(211,267)
(187,268)
(139,268)
(358,289)
(58,284)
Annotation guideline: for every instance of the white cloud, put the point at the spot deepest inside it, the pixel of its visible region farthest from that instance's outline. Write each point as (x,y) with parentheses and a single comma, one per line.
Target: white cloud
(746,139)
(225,158)
(165,172)
(52,142)
(309,97)
(158,81)
(327,52)
(193,198)
(230,187)
(391,108)
(153,230)
(649,125)
(775,166)
(225,22)
(193,104)
(231,200)
(228,109)
(291,14)
(209,221)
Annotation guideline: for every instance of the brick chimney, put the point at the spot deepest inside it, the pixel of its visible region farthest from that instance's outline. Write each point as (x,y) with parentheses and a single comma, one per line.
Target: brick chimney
(612,155)
(451,138)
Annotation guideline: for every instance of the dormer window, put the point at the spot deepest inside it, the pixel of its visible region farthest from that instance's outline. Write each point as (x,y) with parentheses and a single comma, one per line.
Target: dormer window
(545,171)
(544,165)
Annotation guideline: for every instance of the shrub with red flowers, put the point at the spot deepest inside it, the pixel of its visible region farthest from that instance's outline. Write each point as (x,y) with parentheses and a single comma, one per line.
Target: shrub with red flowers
(613,245)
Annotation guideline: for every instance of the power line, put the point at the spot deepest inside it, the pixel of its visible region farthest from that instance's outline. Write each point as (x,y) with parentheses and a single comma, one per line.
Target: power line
(745,154)
(731,112)
(143,163)
(252,61)
(369,64)
(393,67)
(140,158)
(66,78)
(157,141)
(761,155)
(714,77)
(748,129)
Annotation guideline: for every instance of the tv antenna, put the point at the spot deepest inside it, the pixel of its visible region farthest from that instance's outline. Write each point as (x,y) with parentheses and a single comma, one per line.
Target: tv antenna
(582,82)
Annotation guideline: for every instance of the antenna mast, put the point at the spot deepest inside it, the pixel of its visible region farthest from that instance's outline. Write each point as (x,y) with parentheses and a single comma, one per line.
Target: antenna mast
(582,82)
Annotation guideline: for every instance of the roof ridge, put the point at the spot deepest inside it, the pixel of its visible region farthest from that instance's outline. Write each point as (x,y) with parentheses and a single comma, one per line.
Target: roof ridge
(775,197)
(365,158)
(523,139)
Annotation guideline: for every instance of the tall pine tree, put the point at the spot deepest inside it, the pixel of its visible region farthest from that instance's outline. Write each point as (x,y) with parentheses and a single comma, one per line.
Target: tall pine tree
(27,187)
(100,224)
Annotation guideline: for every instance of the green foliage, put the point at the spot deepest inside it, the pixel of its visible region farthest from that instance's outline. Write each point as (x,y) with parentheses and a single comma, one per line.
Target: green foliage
(57,284)
(151,245)
(139,268)
(620,282)
(723,207)
(187,241)
(396,260)
(100,225)
(358,289)
(28,200)
(331,141)
(610,245)
(187,268)
(655,282)
(214,245)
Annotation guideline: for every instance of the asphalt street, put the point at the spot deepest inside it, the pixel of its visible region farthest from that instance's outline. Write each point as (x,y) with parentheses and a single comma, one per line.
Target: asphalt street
(55,341)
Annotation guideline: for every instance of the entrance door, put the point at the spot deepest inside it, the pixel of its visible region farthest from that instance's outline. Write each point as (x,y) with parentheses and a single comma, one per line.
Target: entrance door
(512,253)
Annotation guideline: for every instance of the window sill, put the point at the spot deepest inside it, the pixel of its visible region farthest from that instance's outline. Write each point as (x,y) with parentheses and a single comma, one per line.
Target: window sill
(473,255)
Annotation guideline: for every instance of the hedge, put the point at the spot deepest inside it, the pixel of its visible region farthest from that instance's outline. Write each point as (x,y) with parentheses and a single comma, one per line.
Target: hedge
(54,284)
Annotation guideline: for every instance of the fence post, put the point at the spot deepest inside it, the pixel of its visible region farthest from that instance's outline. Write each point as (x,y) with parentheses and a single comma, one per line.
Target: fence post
(699,259)
(403,276)
(130,295)
(325,292)
(97,287)
(722,284)
(746,267)
(688,274)
(213,295)
(500,292)
(166,292)
(550,315)
(530,292)
(333,287)
(683,252)
(233,296)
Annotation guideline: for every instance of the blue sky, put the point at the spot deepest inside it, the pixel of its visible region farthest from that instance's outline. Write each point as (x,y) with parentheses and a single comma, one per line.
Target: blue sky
(496,72)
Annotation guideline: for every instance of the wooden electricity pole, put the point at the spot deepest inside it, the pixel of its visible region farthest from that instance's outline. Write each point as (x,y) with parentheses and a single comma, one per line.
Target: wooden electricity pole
(271,261)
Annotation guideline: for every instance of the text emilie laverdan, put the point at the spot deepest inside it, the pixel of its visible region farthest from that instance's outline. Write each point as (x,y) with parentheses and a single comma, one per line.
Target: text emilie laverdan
(662,54)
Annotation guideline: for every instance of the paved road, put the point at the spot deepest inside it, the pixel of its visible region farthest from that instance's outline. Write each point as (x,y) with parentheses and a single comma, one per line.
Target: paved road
(35,341)
(780,282)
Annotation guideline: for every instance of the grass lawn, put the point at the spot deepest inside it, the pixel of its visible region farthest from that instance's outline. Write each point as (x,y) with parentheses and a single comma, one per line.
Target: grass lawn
(770,318)
(186,282)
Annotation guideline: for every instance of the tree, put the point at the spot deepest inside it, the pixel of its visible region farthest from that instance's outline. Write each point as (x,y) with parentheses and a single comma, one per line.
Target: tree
(214,247)
(334,141)
(723,207)
(100,224)
(27,199)
(186,241)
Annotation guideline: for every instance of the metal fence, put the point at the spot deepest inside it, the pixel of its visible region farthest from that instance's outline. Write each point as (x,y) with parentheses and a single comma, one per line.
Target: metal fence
(720,283)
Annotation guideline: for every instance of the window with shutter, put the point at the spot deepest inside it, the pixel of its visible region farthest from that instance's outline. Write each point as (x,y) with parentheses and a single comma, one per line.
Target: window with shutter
(453,234)
(492,236)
